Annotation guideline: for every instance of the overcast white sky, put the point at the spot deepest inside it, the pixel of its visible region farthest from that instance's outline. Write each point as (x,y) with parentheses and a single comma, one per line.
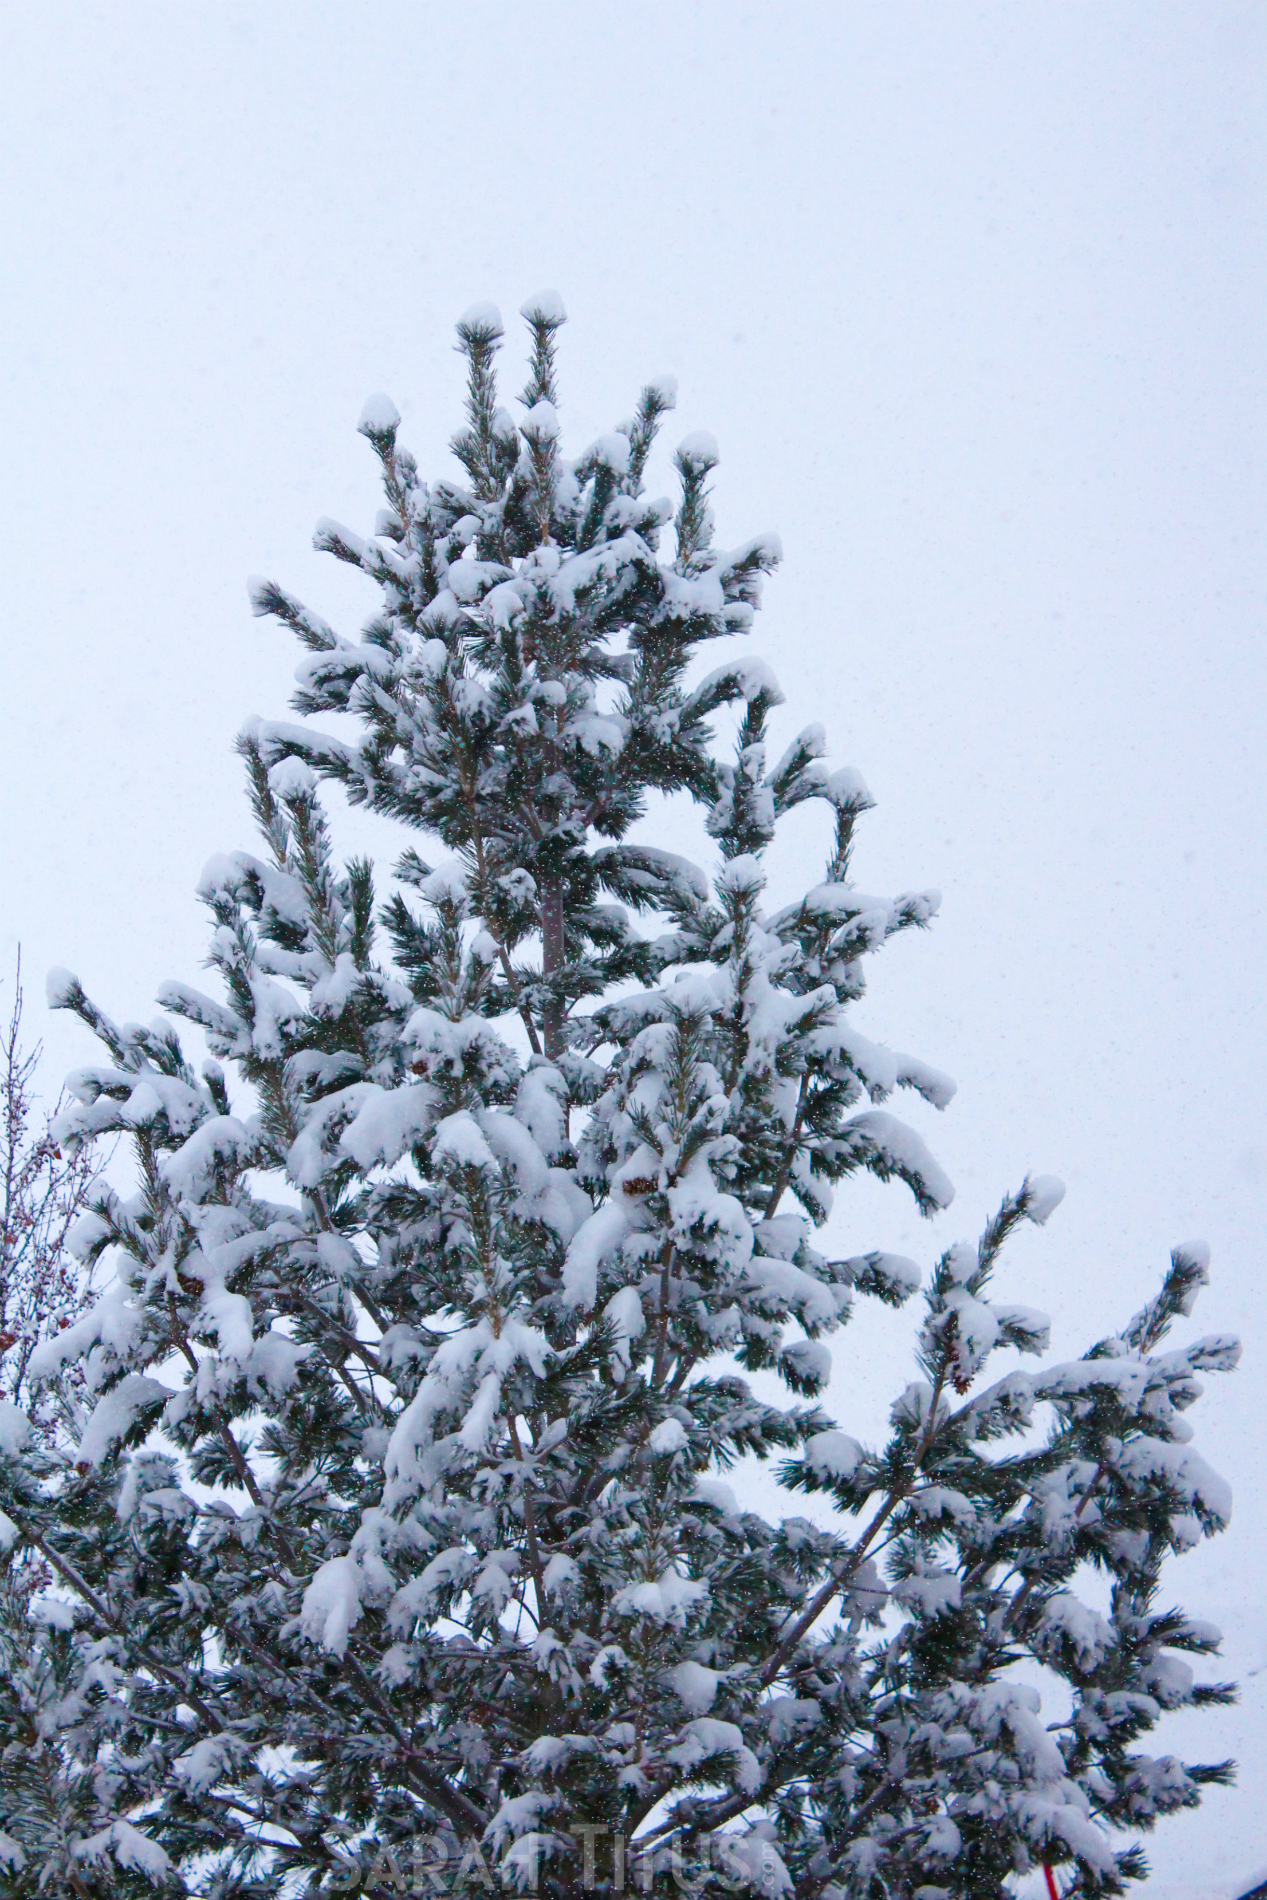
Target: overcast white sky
(972,297)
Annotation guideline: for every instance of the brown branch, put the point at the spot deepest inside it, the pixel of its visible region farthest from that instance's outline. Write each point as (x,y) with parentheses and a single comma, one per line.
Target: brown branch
(530,1527)
(245,1474)
(68,1573)
(785,1172)
(1100,1470)
(841,1573)
(481,863)
(662,1336)
(433,1786)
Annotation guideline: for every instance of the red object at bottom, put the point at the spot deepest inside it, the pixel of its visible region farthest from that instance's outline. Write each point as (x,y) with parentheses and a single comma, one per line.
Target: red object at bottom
(1052,1888)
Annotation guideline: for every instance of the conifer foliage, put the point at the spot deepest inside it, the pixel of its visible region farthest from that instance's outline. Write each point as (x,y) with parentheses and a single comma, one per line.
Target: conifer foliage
(397,1537)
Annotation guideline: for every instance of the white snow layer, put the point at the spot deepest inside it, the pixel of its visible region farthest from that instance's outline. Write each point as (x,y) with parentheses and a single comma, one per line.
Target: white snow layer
(1043,1195)
(695,1686)
(699,450)
(380,416)
(15,1430)
(481,316)
(544,306)
(131,1849)
(116,1413)
(332,1605)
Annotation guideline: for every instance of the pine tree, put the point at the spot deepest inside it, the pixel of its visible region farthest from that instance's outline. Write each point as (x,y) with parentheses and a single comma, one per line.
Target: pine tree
(396,1547)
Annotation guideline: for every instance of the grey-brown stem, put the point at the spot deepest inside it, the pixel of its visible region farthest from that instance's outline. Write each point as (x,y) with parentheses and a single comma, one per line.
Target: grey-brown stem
(551,964)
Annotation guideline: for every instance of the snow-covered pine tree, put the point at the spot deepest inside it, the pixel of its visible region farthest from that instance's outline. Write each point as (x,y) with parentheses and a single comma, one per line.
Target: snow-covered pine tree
(397,1546)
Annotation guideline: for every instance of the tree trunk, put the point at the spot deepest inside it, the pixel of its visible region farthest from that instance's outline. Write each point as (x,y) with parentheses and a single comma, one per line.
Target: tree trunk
(551,964)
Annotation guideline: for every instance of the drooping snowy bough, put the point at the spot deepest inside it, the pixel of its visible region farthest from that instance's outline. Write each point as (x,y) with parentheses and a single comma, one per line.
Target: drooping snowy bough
(394,1545)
